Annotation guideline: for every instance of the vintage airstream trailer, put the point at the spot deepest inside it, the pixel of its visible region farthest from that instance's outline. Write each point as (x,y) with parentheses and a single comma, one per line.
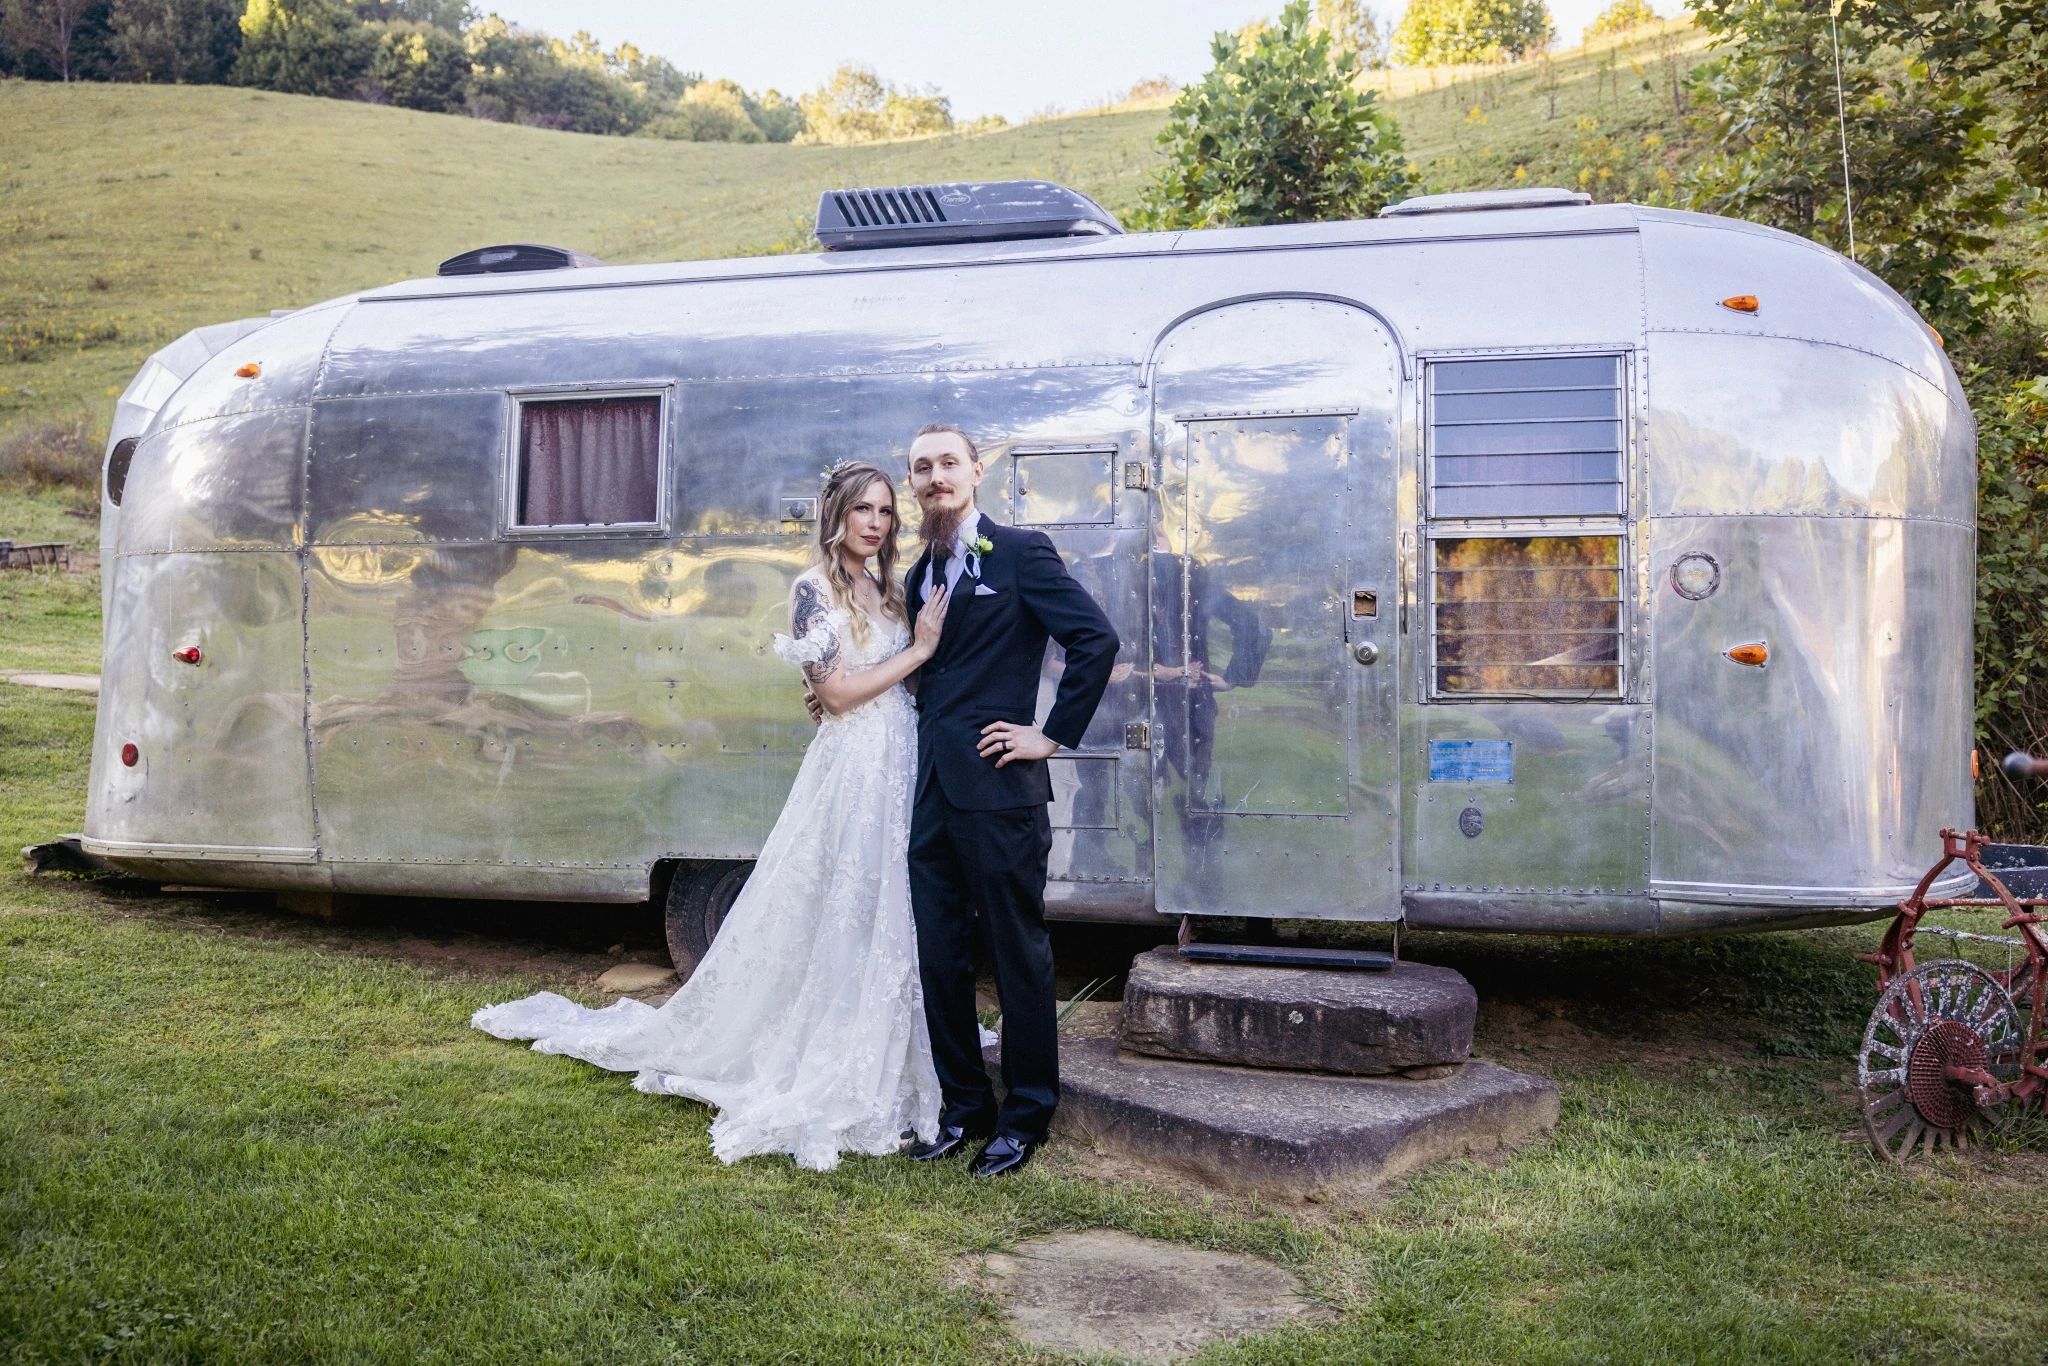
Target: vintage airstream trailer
(1508,561)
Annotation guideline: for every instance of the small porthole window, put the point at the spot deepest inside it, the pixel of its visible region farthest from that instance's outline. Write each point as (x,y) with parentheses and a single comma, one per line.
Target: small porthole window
(118,461)
(589,463)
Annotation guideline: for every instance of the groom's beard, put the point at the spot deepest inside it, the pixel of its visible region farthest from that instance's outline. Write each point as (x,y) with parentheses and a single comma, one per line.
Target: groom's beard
(941,525)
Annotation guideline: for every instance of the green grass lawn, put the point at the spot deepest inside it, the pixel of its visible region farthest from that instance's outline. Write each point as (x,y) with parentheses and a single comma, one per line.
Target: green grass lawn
(226,1134)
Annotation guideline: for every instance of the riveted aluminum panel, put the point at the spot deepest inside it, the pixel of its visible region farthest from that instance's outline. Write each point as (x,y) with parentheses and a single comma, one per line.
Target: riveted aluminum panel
(406,468)
(1573,822)
(1803,290)
(223,754)
(288,354)
(1790,428)
(746,445)
(815,328)
(492,704)
(229,483)
(1825,775)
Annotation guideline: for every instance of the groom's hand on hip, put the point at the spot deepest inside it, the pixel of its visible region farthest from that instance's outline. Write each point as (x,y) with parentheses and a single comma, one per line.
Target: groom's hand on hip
(1003,741)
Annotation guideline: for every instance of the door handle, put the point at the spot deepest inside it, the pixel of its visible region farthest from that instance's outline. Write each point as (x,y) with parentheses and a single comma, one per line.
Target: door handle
(1366,653)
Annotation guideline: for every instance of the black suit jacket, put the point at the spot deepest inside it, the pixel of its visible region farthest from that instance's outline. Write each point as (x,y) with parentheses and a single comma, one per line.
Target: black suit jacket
(988,664)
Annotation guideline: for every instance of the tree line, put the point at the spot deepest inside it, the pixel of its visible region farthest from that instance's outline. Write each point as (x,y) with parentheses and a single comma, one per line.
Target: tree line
(442,56)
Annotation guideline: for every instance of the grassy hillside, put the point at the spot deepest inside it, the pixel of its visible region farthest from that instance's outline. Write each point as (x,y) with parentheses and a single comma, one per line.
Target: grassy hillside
(129,214)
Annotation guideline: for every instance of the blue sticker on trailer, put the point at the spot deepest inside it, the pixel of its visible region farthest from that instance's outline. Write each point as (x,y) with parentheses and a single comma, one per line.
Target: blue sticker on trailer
(1471,761)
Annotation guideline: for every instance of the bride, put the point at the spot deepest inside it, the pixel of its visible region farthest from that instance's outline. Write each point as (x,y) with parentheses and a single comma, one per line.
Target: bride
(804,1024)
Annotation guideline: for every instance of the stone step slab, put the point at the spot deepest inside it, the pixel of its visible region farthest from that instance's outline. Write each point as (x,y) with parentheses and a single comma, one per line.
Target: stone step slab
(1289,1135)
(1411,1017)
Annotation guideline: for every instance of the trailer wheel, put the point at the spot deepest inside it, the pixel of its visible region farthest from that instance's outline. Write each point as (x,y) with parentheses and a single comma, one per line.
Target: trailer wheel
(698,899)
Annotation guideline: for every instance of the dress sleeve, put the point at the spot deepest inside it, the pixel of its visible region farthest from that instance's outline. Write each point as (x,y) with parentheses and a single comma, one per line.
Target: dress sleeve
(813,641)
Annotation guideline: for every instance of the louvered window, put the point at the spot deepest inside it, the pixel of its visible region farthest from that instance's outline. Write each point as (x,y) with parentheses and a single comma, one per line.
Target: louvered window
(1532,436)
(1527,614)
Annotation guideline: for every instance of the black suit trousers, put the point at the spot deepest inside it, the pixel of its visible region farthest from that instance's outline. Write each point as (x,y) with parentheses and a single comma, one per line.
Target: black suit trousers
(991,865)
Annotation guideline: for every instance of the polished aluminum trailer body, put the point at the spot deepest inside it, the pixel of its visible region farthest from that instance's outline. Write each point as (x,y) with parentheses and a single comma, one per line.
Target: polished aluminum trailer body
(401,691)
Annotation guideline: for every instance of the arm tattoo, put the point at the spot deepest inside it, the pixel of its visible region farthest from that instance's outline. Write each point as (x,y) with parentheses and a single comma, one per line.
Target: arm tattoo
(808,612)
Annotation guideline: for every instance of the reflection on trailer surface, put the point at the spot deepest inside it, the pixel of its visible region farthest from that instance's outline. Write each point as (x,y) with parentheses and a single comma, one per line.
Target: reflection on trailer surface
(1477,565)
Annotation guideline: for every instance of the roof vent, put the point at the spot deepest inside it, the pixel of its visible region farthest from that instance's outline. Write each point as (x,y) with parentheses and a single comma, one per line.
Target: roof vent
(921,215)
(1475,201)
(514,256)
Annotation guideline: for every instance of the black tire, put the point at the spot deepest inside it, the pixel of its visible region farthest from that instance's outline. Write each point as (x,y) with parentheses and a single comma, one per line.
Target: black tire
(698,899)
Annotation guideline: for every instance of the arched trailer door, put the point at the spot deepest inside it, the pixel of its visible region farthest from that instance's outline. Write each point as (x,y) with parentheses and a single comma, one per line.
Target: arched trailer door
(1274,640)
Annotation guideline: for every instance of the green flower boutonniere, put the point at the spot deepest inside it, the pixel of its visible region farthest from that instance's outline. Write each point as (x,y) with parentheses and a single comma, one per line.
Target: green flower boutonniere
(983,545)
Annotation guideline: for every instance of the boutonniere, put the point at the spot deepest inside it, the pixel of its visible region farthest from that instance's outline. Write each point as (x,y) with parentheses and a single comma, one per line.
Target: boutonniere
(977,550)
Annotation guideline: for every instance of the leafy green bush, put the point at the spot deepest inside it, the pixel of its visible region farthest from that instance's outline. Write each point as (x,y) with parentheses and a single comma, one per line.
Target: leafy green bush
(709,111)
(857,106)
(303,47)
(2012,597)
(1433,32)
(1276,133)
(419,66)
(1620,17)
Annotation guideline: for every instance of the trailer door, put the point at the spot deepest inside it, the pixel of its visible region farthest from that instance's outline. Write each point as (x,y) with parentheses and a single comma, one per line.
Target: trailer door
(1273,602)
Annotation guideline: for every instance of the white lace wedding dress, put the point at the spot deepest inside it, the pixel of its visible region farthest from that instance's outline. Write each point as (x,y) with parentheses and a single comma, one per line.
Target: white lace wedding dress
(804,1024)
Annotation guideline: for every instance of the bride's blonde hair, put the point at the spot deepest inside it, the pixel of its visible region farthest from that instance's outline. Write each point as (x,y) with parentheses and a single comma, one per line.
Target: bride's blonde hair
(844,484)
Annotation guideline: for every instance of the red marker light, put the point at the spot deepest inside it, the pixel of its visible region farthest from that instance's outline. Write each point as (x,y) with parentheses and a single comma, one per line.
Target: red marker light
(190,654)
(130,755)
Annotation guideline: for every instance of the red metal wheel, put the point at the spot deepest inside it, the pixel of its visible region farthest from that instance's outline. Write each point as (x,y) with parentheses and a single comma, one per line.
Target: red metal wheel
(1944,1014)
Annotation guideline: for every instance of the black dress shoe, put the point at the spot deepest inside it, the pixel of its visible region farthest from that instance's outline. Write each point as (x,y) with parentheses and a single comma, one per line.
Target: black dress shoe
(952,1139)
(1001,1156)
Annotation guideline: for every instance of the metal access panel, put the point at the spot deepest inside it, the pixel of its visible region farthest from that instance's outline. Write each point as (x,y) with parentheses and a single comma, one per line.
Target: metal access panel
(1274,667)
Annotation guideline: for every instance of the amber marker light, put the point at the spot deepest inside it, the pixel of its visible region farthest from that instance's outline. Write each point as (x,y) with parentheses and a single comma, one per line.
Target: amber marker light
(249,371)
(1975,771)
(130,755)
(1740,303)
(190,654)
(1756,654)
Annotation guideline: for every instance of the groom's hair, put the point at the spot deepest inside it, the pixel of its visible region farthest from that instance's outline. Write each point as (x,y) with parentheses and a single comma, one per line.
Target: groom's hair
(934,428)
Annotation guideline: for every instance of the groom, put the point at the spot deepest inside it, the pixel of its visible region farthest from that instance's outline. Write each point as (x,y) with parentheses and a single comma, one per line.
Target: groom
(979,834)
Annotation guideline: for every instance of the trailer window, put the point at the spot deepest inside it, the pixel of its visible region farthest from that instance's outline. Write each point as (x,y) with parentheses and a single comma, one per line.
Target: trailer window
(1528,436)
(589,462)
(1527,614)
(1062,487)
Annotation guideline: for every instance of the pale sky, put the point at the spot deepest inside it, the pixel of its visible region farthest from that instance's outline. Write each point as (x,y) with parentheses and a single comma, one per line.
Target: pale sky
(1013,58)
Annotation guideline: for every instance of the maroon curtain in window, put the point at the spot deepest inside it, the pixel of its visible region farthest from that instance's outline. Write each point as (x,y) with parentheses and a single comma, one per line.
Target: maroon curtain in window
(589,462)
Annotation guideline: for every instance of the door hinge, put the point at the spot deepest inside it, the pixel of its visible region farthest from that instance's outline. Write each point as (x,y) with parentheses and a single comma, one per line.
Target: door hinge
(1137,735)
(1137,475)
